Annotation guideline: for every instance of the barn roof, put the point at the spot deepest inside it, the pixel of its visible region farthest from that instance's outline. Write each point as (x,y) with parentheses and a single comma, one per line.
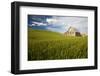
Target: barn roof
(72,29)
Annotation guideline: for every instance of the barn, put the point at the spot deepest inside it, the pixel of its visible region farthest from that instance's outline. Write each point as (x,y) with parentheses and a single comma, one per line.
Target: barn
(72,32)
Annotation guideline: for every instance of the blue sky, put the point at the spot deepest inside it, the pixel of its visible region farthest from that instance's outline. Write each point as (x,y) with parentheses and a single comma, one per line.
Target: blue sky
(58,23)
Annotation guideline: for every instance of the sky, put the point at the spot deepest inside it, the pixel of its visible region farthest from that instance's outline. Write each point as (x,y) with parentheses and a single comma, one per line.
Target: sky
(58,23)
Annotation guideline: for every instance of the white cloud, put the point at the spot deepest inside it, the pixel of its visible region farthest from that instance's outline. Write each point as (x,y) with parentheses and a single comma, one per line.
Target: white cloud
(51,20)
(33,25)
(80,23)
(39,24)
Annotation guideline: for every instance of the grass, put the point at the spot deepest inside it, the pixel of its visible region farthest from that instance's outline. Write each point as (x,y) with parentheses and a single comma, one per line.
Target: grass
(47,45)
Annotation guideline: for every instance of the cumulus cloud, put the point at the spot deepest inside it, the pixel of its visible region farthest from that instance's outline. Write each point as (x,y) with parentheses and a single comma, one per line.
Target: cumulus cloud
(51,20)
(80,23)
(39,24)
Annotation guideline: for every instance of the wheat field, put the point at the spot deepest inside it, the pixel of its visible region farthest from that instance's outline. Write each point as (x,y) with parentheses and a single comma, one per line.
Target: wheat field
(47,45)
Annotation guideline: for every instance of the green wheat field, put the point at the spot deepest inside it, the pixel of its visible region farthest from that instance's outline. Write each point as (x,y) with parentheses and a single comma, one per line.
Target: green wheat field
(47,45)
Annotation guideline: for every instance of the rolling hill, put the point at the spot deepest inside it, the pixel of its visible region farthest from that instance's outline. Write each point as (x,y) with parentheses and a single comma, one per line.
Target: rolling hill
(48,45)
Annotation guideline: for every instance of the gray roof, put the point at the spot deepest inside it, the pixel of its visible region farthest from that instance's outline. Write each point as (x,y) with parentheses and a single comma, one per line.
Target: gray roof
(72,29)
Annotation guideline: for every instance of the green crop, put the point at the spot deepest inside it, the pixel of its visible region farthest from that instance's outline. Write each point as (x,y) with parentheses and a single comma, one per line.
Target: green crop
(47,45)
